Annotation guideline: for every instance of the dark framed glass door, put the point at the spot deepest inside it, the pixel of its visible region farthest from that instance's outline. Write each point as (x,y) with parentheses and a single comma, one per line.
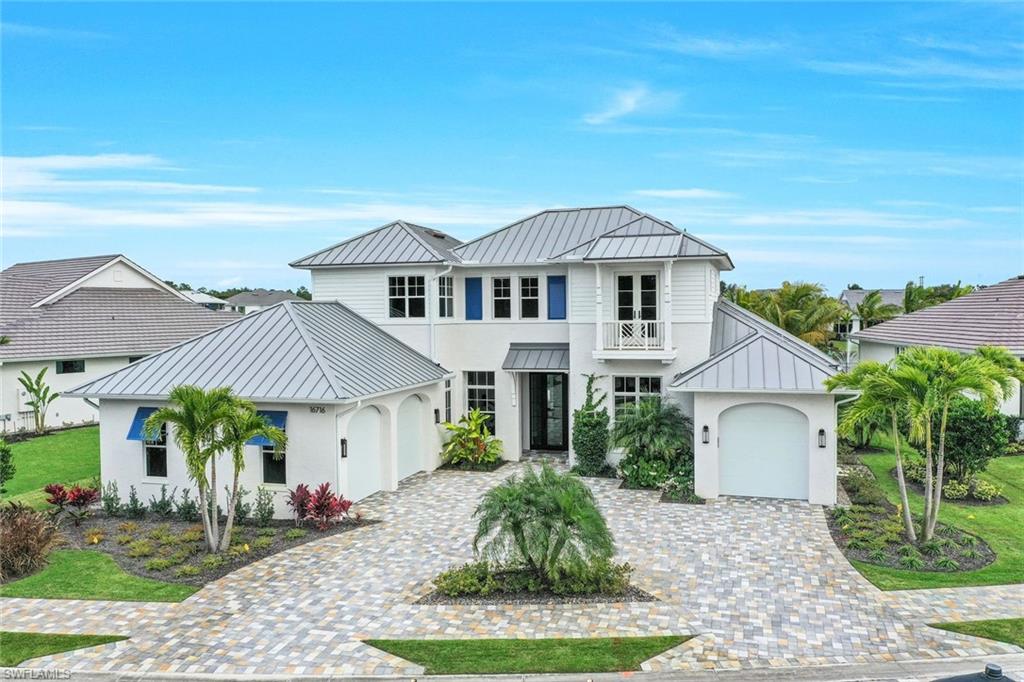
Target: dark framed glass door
(549,411)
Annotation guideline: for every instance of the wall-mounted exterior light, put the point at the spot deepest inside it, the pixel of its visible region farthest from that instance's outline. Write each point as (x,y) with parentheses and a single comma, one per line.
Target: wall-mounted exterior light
(437,416)
(705,435)
(821,438)
(344,448)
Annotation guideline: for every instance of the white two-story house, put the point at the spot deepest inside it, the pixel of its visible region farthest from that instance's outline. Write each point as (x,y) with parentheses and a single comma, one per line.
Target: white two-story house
(410,327)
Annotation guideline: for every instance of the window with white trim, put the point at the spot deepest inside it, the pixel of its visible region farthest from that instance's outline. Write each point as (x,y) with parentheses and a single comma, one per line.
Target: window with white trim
(631,390)
(501,288)
(70,366)
(529,297)
(156,454)
(446,296)
(407,296)
(274,469)
(448,400)
(480,394)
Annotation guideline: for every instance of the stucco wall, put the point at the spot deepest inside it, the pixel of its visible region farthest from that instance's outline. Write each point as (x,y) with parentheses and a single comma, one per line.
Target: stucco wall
(821,414)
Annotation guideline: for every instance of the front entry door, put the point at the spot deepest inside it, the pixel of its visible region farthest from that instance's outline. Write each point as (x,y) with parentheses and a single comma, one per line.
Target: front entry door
(549,411)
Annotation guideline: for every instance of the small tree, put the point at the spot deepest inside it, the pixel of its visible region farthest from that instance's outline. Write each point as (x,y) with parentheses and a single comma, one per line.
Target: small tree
(40,396)
(6,465)
(590,436)
(974,436)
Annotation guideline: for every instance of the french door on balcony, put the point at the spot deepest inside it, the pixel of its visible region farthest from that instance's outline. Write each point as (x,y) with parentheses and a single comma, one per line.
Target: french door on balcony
(636,308)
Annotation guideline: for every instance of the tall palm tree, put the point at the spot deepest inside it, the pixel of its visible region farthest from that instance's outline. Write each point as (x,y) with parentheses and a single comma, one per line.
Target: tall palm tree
(196,417)
(916,298)
(882,397)
(871,310)
(241,426)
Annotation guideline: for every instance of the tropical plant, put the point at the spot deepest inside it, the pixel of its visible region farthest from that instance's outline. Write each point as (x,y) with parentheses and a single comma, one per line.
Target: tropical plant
(872,310)
(7,468)
(197,416)
(470,441)
(916,298)
(652,429)
(165,505)
(590,436)
(27,537)
(543,522)
(79,499)
(40,396)
(298,500)
(325,508)
(242,424)
(803,309)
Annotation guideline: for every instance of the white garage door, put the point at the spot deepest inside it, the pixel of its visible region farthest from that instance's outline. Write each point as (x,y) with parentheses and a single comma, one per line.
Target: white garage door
(762,451)
(412,416)
(364,454)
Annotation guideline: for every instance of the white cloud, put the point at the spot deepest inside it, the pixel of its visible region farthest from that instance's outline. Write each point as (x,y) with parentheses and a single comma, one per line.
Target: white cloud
(690,193)
(634,100)
(14,30)
(849,217)
(950,73)
(668,39)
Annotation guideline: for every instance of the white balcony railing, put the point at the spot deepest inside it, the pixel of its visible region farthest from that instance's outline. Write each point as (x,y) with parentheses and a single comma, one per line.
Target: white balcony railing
(634,335)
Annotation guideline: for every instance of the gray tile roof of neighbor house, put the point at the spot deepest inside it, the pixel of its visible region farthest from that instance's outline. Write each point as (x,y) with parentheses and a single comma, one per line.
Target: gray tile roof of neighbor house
(397,242)
(261,297)
(290,352)
(992,316)
(853,297)
(537,357)
(750,354)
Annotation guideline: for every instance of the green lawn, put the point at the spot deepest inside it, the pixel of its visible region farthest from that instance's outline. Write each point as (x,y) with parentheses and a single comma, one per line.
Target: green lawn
(81,574)
(17,647)
(497,656)
(71,456)
(999,525)
(1009,630)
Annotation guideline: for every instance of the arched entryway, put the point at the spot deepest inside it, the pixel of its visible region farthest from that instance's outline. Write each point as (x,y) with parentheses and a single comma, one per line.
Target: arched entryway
(365,453)
(763,451)
(413,420)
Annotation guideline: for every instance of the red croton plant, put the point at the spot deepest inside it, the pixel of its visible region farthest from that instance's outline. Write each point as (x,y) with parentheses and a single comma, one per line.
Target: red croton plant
(75,500)
(324,507)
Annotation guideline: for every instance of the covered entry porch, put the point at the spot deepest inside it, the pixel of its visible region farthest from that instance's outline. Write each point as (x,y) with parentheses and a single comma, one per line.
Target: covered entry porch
(541,377)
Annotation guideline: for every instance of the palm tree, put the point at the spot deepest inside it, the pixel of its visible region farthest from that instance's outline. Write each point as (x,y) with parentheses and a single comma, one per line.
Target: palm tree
(882,398)
(241,426)
(801,308)
(652,428)
(916,298)
(197,416)
(871,310)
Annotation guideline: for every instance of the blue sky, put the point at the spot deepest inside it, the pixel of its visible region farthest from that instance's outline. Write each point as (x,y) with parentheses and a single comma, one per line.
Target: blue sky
(215,143)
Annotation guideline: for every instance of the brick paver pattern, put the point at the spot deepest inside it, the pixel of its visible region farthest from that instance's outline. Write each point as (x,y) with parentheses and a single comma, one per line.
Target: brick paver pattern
(759,582)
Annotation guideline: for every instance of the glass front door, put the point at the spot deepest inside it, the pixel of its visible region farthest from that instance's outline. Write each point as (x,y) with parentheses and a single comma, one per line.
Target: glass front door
(549,411)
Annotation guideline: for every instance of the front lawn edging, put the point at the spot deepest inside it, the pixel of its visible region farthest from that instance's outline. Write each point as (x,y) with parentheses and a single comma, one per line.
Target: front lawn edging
(18,647)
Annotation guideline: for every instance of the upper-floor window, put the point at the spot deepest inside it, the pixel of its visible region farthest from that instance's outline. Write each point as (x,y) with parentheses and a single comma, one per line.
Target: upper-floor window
(631,390)
(529,297)
(502,289)
(407,296)
(480,394)
(156,454)
(70,366)
(446,296)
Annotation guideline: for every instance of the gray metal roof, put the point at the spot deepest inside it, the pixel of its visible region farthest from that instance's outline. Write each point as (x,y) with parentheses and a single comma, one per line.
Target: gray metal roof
(629,247)
(992,316)
(537,357)
(750,354)
(397,242)
(293,351)
(263,297)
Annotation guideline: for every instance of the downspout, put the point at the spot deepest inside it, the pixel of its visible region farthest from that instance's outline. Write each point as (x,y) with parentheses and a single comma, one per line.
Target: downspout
(432,341)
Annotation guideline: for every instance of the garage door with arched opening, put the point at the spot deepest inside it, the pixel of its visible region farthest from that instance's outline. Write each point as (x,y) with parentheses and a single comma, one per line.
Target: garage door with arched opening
(412,441)
(763,451)
(365,454)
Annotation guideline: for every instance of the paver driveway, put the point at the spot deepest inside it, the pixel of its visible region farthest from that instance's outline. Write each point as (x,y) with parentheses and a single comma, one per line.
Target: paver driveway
(760,582)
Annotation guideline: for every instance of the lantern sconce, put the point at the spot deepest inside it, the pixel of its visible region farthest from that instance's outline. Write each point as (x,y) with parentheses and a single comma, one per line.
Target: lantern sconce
(821,438)
(344,448)
(705,435)
(437,416)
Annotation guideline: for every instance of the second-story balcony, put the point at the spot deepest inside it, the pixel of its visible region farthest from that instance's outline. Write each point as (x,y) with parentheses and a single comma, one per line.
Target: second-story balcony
(633,340)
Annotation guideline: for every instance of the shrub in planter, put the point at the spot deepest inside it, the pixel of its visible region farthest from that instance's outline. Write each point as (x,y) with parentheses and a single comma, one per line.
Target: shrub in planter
(973,437)
(590,434)
(469,579)
(26,537)
(298,500)
(163,507)
(955,490)
(600,576)
(470,442)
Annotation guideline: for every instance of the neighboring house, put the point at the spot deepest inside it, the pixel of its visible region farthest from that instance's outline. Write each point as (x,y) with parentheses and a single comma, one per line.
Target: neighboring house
(253,301)
(509,324)
(990,316)
(851,298)
(206,300)
(82,318)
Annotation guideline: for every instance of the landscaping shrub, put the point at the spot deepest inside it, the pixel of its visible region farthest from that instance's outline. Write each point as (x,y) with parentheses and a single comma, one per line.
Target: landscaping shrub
(678,487)
(94,536)
(846,452)
(469,579)
(863,489)
(57,496)
(262,542)
(641,472)
(973,437)
(325,507)
(188,508)
(7,467)
(134,509)
(163,507)
(111,500)
(159,564)
(482,578)
(985,491)
(600,576)
(79,500)
(955,490)
(26,537)
(657,438)
(263,513)
(914,469)
(242,508)
(187,571)
(470,442)
(296,533)
(298,500)
(140,549)
(590,434)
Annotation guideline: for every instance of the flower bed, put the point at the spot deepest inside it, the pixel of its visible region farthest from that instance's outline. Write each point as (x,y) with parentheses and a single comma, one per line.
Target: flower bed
(961,493)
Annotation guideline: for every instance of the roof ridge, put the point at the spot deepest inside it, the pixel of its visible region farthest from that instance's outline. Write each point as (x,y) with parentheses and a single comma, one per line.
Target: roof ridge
(108,256)
(606,233)
(541,212)
(411,231)
(343,242)
(314,349)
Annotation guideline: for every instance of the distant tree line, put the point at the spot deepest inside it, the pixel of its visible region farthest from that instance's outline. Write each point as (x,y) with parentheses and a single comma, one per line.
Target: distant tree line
(301,292)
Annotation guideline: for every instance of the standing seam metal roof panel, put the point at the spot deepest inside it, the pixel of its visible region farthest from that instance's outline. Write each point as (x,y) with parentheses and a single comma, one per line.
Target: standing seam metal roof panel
(537,357)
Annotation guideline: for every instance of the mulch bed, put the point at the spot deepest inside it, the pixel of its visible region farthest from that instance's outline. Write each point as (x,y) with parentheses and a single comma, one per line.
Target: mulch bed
(631,594)
(969,501)
(169,539)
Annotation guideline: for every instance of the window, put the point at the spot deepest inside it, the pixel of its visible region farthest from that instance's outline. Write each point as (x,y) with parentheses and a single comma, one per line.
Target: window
(448,400)
(407,296)
(132,359)
(634,389)
(480,394)
(70,366)
(446,297)
(273,469)
(156,454)
(529,297)
(556,297)
(502,289)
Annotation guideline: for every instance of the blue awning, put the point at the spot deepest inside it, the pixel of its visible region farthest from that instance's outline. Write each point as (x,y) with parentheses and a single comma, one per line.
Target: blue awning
(276,418)
(141,415)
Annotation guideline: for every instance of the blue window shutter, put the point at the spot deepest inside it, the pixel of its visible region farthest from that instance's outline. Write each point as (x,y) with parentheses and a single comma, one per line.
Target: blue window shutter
(474,298)
(275,418)
(556,297)
(141,415)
